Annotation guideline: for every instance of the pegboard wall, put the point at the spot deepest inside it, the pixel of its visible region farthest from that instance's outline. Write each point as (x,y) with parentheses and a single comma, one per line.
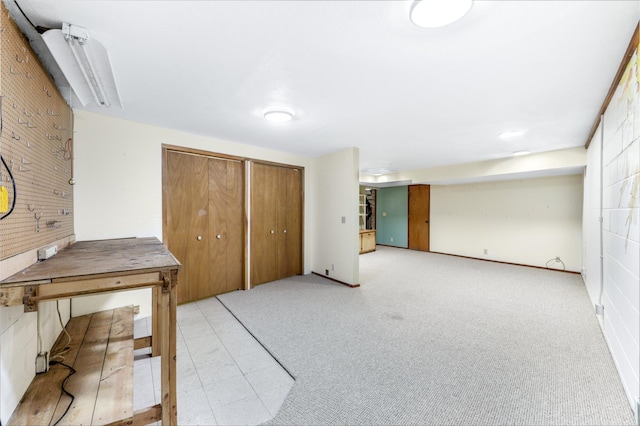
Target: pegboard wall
(37,147)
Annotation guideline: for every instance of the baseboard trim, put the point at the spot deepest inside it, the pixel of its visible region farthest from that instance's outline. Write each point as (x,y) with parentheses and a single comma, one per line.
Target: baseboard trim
(337,281)
(387,245)
(505,263)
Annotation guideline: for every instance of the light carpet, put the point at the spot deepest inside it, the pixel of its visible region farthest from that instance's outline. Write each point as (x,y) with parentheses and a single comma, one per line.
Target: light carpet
(437,340)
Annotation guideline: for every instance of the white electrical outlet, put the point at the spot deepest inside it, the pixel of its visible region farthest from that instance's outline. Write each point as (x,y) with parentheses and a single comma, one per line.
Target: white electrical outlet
(47,252)
(42,362)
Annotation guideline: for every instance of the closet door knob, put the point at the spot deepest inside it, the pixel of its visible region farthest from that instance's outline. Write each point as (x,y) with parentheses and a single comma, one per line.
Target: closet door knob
(199,238)
(285,231)
(273,232)
(218,236)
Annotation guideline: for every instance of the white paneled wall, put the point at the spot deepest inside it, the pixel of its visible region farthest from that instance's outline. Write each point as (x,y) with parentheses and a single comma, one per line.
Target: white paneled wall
(17,350)
(621,236)
(615,152)
(19,331)
(19,346)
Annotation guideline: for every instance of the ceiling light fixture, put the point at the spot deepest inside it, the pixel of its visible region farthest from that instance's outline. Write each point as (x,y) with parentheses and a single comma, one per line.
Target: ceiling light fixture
(279,115)
(521,153)
(438,13)
(512,134)
(84,63)
(77,38)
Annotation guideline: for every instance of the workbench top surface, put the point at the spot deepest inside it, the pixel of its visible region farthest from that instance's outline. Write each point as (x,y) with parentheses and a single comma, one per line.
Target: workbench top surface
(91,259)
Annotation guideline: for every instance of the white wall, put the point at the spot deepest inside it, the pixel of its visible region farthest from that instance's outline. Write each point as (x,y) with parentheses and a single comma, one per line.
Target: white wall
(617,149)
(118,169)
(335,193)
(526,221)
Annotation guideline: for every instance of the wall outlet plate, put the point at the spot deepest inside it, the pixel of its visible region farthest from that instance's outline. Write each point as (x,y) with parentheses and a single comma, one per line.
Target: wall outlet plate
(42,362)
(45,253)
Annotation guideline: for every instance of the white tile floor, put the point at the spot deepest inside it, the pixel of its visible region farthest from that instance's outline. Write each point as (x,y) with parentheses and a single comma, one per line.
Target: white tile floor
(225,377)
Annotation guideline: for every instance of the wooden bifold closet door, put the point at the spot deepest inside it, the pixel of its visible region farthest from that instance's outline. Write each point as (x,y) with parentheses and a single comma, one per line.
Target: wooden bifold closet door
(276,222)
(203,201)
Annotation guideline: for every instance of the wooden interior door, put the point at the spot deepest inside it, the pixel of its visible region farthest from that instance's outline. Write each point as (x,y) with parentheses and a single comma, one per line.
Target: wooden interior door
(289,212)
(226,195)
(419,216)
(264,192)
(185,196)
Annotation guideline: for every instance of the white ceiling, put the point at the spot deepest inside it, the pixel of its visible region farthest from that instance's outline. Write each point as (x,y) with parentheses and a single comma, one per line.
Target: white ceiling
(359,73)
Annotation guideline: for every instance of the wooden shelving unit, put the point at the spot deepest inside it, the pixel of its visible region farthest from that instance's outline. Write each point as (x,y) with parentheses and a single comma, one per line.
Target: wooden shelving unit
(367,236)
(363,211)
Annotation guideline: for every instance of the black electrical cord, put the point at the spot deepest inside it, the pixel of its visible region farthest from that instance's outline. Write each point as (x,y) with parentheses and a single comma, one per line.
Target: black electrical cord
(556,260)
(39,29)
(13,183)
(72,371)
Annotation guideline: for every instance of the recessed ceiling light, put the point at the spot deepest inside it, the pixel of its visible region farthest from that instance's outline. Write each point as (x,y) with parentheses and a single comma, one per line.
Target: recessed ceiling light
(511,134)
(521,153)
(438,13)
(279,115)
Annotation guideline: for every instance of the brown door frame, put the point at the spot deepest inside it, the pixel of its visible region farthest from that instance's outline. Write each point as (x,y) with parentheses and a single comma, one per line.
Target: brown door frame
(246,164)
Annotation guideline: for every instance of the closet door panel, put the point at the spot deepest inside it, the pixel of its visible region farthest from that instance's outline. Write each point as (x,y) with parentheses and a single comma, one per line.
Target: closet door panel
(186,186)
(264,183)
(218,238)
(235,225)
(289,222)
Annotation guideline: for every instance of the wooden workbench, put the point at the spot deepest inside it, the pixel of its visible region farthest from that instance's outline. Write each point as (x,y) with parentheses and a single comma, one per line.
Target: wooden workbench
(90,267)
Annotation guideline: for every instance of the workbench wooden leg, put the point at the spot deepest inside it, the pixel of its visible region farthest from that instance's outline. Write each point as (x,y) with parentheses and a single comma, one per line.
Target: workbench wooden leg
(173,377)
(168,353)
(156,324)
